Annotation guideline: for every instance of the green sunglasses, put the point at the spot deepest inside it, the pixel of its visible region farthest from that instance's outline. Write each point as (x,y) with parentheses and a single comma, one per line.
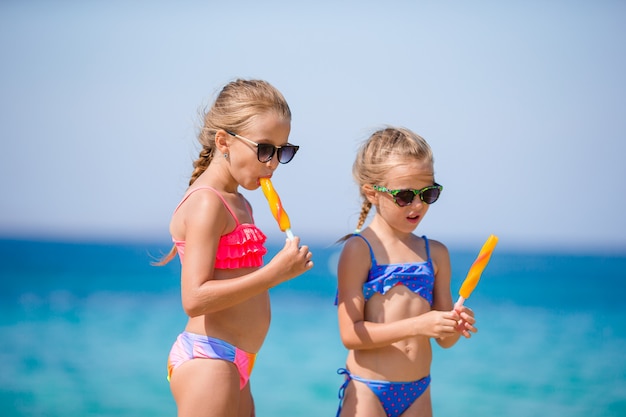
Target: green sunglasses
(405,197)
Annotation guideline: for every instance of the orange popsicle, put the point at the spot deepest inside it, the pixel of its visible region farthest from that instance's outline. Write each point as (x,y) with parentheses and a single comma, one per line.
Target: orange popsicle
(276,206)
(473,276)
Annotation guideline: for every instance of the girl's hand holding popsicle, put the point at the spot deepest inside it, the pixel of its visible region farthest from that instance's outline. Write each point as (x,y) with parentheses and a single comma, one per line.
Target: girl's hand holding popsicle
(284,224)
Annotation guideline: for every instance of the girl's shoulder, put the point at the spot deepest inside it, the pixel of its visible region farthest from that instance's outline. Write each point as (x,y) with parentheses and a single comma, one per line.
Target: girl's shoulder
(356,244)
(436,246)
(201,208)
(439,255)
(356,253)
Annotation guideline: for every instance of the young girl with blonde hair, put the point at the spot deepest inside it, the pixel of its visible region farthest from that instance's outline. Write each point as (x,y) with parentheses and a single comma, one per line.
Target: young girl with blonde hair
(224,285)
(393,286)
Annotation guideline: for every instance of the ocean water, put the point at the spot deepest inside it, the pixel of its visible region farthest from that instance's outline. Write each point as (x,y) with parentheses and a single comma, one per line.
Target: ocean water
(85,330)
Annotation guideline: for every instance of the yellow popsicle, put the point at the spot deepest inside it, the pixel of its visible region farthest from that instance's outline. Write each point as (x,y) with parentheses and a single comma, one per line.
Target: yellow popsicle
(473,276)
(276,206)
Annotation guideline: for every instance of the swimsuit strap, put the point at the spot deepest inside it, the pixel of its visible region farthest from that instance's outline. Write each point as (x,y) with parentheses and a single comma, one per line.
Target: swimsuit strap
(342,389)
(369,246)
(427,248)
(372,250)
(206,187)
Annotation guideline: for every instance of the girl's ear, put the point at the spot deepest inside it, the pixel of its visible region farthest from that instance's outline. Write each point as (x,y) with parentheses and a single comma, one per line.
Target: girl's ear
(221,141)
(370,194)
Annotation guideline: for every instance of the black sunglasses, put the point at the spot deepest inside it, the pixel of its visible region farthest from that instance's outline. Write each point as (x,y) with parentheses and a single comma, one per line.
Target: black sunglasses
(265,151)
(405,197)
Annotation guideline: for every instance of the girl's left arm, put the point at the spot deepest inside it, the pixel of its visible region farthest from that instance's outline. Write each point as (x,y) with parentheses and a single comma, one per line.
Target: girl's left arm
(442,297)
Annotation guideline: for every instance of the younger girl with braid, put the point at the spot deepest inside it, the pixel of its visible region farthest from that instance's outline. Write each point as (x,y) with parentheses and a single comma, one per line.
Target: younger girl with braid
(224,285)
(393,286)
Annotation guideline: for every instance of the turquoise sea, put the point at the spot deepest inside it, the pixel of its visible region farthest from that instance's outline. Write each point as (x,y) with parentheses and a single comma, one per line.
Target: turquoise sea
(85,330)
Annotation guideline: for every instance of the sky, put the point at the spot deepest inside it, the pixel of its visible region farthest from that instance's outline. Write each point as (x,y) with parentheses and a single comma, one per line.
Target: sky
(523,103)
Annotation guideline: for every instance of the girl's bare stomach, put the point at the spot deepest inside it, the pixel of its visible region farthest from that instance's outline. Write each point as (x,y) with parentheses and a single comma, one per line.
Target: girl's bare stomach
(243,325)
(405,360)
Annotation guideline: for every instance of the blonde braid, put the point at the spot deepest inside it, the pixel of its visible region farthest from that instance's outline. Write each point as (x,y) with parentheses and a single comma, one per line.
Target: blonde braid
(365,209)
(200,165)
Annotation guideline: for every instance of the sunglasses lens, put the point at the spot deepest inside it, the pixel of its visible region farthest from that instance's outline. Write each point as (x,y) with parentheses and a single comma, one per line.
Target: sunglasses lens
(286,153)
(265,152)
(430,195)
(404,198)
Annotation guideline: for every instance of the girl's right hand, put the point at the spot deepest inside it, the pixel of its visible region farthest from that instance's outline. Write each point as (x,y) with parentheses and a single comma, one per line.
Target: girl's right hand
(292,260)
(437,324)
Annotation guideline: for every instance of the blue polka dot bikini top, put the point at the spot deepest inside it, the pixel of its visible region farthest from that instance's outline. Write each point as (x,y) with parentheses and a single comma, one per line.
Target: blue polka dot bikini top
(419,277)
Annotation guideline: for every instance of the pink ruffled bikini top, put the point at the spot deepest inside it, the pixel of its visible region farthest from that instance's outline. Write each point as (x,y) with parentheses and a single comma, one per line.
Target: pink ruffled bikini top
(241,248)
